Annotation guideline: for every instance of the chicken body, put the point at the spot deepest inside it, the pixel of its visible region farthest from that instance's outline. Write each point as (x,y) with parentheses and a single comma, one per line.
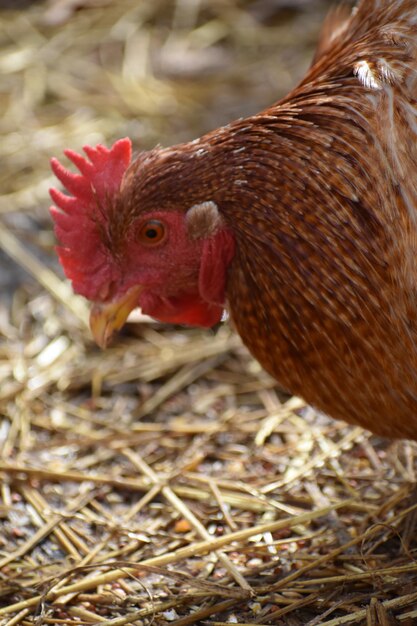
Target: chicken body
(319,195)
(323,285)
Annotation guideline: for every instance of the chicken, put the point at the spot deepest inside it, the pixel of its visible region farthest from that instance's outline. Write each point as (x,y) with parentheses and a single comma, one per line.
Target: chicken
(301,220)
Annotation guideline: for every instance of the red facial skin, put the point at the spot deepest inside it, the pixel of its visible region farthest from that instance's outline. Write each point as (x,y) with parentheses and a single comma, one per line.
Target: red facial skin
(183,279)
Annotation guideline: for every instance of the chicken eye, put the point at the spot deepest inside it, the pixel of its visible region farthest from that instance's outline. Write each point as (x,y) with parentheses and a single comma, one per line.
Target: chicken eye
(152,232)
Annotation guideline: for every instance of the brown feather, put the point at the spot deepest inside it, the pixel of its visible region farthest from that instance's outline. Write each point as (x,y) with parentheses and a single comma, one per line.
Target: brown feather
(340,307)
(336,21)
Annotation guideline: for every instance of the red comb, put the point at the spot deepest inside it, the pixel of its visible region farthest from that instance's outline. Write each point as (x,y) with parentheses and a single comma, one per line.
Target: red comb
(77,214)
(102,173)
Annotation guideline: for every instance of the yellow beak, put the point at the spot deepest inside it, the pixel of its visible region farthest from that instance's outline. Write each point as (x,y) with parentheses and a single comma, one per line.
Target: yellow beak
(106,319)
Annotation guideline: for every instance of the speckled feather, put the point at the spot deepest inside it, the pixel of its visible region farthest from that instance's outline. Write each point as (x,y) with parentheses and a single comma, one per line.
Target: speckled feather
(323,290)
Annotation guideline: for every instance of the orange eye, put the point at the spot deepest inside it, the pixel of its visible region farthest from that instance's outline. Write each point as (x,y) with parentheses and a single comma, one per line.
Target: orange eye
(152,232)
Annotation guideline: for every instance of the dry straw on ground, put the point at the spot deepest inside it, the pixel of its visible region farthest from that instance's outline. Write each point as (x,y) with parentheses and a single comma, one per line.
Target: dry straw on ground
(167,480)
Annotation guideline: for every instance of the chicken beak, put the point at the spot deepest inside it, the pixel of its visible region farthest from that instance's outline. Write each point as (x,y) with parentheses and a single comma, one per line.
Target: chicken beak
(106,319)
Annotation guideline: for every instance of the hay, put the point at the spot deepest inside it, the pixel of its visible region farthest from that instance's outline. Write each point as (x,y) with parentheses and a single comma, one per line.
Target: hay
(167,480)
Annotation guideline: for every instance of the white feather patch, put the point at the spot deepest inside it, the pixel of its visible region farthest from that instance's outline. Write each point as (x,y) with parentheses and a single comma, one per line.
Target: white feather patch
(367,75)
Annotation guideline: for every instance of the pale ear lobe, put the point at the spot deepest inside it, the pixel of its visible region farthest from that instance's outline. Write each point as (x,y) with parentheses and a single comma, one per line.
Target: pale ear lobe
(203,220)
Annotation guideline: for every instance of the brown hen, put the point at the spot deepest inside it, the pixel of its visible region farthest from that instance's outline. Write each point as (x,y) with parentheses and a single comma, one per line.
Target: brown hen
(301,220)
